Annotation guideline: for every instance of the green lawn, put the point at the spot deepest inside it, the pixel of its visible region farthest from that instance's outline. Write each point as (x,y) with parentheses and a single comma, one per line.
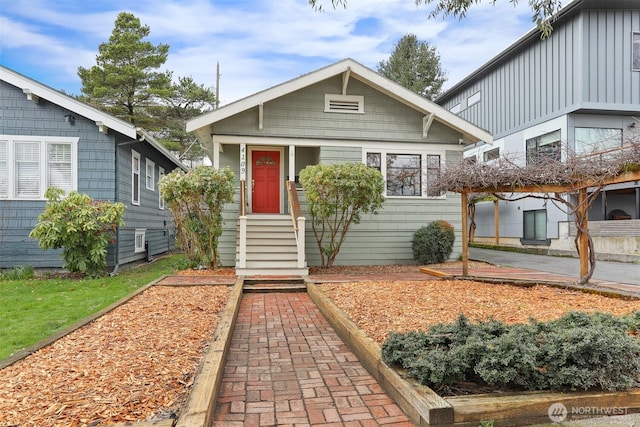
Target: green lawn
(33,309)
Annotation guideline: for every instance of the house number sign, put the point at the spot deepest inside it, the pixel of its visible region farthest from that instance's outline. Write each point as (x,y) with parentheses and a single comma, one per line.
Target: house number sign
(243,162)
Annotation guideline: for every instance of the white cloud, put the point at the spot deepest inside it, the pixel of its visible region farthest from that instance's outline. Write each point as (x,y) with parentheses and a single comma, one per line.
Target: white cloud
(258,43)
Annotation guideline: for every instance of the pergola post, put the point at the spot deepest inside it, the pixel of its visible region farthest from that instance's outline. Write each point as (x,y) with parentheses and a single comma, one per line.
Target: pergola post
(583,224)
(496,221)
(465,237)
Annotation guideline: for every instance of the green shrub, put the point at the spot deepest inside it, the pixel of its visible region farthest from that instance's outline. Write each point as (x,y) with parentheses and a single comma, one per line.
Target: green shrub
(196,200)
(578,351)
(337,196)
(81,226)
(433,243)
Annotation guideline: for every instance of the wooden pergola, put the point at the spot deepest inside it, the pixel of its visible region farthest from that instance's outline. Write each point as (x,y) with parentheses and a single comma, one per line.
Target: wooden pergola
(581,188)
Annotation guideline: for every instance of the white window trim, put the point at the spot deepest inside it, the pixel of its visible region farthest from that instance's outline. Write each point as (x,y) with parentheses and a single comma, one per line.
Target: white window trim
(358,100)
(150,178)
(139,239)
(456,108)
(423,167)
(635,34)
(135,155)
(160,199)
(43,142)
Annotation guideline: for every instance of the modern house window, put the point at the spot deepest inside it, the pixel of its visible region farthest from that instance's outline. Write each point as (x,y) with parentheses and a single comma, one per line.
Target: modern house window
(151,174)
(456,108)
(535,226)
(472,160)
(343,103)
(160,199)
(588,140)
(544,148)
(140,237)
(407,174)
(635,54)
(473,99)
(31,164)
(135,177)
(492,154)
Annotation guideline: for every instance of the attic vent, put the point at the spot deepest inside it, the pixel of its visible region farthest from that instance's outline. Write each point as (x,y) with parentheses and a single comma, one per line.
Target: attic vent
(343,103)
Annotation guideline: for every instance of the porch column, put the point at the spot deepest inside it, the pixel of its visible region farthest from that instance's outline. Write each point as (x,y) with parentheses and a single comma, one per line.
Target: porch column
(292,163)
(216,155)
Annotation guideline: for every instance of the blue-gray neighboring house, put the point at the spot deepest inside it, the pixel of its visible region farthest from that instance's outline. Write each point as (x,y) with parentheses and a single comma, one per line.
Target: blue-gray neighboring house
(50,139)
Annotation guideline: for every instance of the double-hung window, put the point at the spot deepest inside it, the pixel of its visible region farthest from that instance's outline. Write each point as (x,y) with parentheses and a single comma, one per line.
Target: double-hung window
(31,164)
(407,174)
(544,148)
(151,177)
(160,199)
(135,177)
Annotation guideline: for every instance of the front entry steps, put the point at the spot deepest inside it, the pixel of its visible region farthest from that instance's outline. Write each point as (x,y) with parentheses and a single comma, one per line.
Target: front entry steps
(273,284)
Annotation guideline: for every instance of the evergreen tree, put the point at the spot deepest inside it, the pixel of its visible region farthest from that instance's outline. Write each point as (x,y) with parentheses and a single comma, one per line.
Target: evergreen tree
(125,80)
(415,65)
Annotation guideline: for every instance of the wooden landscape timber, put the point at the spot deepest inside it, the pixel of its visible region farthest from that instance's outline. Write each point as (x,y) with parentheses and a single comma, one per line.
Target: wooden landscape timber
(426,408)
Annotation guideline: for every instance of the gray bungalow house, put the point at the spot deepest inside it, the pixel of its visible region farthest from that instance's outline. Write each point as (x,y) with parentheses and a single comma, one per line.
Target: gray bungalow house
(577,91)
(344,112)
(47,139)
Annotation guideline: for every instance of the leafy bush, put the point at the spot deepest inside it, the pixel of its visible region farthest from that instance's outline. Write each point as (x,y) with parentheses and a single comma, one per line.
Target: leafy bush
(196,200)
(81,226)
(337,195)
(578,351)
(433,243)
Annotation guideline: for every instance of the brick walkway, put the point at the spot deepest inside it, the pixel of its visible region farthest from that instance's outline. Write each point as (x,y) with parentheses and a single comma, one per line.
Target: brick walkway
(288,367)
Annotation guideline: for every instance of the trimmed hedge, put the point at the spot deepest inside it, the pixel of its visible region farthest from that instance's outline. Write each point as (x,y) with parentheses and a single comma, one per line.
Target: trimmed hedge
(433,243)
(578,351)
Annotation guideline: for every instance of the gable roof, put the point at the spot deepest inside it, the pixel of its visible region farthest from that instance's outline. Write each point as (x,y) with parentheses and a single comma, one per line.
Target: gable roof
(34,90)
(348,68)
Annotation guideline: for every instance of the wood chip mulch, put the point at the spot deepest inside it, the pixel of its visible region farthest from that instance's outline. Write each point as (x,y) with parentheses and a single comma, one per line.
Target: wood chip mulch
(379,307)
(135,363)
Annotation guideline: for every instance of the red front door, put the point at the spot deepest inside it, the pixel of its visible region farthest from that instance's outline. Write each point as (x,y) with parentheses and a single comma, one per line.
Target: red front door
(265,172)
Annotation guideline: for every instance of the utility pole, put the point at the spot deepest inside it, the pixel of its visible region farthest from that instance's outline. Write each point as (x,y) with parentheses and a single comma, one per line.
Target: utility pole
(217,85)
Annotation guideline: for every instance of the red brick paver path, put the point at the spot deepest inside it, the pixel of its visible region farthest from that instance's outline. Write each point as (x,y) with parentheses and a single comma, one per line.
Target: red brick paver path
(288,367)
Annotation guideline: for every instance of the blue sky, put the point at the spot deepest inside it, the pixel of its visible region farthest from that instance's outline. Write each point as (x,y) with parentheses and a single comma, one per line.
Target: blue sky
(258,43)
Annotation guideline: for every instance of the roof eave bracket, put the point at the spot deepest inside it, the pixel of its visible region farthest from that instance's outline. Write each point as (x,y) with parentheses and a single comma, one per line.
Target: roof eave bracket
(426,124)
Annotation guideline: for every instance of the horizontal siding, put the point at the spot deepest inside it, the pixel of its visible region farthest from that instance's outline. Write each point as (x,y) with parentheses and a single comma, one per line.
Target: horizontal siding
(301,114)
(386,238)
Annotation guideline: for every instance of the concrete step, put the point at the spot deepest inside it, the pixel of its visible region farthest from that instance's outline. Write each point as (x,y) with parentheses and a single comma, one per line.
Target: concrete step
(274,284)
